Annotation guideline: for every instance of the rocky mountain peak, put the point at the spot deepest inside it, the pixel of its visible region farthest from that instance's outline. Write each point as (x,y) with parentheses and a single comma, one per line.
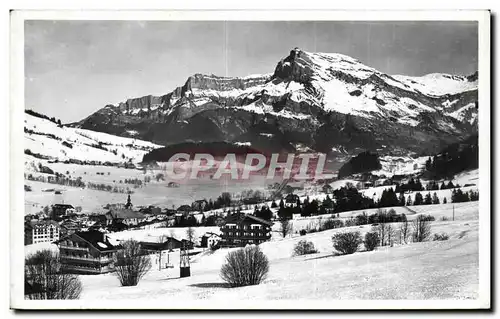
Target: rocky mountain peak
(306,101)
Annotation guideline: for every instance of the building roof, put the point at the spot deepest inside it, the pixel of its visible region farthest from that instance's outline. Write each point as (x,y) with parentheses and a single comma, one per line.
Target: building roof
(159,246)
(63,206)
(125,213)
(239,218)
(210,234)
(41,223)
(97,239)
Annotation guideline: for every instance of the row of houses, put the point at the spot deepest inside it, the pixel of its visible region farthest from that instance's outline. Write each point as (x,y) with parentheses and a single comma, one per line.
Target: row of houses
(92,252)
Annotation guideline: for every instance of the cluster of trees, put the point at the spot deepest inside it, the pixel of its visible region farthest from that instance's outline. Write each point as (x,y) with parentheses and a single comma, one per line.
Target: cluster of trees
(45,279)
(40,115)
(363,162)
(454,159)
(346,199)
(36,155)
(27,130)
(349,199)
(133,181)
(416,186)
(58,179)
(381,216)
(251,197)
(458,196)
(222,201)
(109,188)
(412,186)
(385,234)
(390,198)
(264,212)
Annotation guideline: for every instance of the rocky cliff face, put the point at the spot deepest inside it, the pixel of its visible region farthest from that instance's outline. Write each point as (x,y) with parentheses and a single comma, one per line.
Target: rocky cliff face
(315,101)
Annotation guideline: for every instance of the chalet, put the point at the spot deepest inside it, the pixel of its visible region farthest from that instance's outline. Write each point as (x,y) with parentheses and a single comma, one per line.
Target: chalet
(88,252)
(126,216)
(184,209)
(45,231)
(169,244)
(59,210)
(69,227)
(209,240)
(240,229)
(99,219)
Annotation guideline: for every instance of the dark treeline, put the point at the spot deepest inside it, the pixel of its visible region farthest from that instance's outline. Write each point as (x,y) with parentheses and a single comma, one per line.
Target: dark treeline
(454,159)
(363,162)
(216,149)
(27,130)
(349,199)
(42,116)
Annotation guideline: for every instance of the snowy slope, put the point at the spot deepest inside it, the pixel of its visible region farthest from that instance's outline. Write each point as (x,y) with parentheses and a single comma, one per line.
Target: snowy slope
(438,83)
(46,138)
(399,272)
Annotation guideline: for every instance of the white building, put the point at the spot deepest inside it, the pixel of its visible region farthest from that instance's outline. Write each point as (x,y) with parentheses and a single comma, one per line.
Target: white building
(41,232)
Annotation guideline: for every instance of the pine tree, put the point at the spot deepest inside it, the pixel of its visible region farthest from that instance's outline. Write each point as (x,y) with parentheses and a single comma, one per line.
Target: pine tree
(435,199)
(409,201)
(401,199)
(419,200)
(428,164)
(428,199)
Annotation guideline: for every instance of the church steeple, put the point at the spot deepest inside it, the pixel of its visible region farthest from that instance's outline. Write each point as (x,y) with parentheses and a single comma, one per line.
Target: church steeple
(129,203)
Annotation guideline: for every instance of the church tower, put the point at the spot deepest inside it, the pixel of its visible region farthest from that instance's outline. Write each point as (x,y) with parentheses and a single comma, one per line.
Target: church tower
(129,203)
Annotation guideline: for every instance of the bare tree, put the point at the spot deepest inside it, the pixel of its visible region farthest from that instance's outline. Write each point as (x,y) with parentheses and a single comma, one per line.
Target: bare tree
(190,234)
(44,278)
(131,263)
(162,238)
(286,226)
(382,233)
(421,229)
(390,235)
(404,231)
(245,266)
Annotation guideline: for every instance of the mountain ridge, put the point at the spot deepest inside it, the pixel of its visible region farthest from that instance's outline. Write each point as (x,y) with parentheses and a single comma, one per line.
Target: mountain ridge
(305,92)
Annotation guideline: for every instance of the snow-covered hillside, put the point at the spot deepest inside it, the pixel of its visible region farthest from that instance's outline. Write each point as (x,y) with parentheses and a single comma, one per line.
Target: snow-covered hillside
(67,143)
(399,272)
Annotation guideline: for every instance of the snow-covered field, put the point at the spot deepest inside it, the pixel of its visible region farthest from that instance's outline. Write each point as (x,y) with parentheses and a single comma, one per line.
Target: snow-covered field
(429,270)
(157,194)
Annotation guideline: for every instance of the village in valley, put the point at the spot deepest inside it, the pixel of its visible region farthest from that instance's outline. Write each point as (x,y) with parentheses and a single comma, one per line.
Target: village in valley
(333,174)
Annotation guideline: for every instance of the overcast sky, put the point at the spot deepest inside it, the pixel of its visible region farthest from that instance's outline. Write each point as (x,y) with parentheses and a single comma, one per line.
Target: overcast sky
(74,68)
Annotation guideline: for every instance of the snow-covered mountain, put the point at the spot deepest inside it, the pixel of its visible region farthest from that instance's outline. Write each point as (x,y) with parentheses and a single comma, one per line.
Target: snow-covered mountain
(321,101)
(46,139)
